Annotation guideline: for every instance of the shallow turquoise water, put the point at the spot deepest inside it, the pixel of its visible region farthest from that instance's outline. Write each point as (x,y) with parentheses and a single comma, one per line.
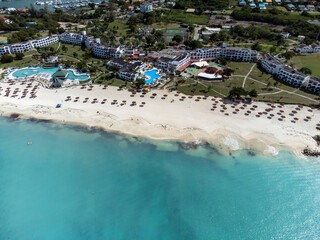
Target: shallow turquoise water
(153,76)
(74,184)
(51,71)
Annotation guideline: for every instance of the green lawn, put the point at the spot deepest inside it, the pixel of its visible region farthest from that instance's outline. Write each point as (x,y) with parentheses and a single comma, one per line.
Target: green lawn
(311,61)
(17,63)
(177,15)
(266,85)
(121,25)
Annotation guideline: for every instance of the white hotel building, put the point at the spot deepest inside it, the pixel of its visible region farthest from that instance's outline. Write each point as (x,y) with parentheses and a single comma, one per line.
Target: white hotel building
(302,48)
(289,75)
(232,53)
(29,45)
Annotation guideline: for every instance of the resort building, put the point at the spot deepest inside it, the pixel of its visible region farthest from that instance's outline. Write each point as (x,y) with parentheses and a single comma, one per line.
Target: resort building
(289,75)
(73,38)
(146,7)
(302,48)
(129,71)
(29,45)
(232,53)
(171,60)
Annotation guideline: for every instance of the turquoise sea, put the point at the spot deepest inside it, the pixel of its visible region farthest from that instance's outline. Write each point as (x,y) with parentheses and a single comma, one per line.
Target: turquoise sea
(76,184)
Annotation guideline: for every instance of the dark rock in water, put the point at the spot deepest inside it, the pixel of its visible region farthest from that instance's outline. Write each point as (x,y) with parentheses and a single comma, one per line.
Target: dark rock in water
(251,153)
(37,120)
(14,115)
(310,153)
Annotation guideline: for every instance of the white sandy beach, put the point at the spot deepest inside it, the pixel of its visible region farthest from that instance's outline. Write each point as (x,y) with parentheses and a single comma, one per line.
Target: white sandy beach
(170,118)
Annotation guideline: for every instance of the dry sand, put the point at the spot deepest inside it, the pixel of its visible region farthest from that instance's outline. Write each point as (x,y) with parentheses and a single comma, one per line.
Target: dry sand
(170,118)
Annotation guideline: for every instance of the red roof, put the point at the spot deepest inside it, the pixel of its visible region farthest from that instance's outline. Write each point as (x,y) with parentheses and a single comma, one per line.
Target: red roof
(183,67)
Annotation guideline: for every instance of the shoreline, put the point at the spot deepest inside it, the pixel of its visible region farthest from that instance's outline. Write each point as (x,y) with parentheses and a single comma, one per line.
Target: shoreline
(187,121)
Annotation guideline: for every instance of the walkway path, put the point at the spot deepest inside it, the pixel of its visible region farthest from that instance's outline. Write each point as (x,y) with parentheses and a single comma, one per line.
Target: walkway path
(245,78)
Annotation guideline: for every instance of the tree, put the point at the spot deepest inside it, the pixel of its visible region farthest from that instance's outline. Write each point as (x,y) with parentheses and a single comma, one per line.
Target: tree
(139,82)
(6,59)
(288,55)
(273,49)
(306,70)
(177,38)
(19,56)
(256,46)
(222,60)
(253,93)
(228,71)
(75,54)
(237,92)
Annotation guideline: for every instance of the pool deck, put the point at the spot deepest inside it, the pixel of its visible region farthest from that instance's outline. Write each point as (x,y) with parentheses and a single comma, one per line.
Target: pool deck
(11,77)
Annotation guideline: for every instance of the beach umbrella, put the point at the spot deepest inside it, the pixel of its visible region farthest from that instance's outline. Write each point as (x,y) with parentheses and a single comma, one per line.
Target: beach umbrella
(165,95)
(105,86)
(95,99)
(86,99)
(178,92)
(255,106)
(199,98)
(294,111)
(115,101)
(133,102)
(216,101)
(273,106)
(224,108)
(296,119)
(143,103)
(281,111)
(214,106)
(91,86)
(237,110)
(124,101)
(69,97)
(260,113)
(154,94)
(271,115)
(244,105)
(234,104)
(281,104)
(248,112)
(308,117)
(300,106)
(206,96)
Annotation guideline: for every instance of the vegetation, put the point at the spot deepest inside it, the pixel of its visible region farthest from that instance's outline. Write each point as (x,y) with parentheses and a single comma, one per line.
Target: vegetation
(296,25)
(202,5)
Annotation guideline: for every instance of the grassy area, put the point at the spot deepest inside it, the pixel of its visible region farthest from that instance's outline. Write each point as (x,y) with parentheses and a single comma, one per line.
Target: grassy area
(23,63)
(177,15)
(311,61)
(268,88)
(121,26)
(241,68)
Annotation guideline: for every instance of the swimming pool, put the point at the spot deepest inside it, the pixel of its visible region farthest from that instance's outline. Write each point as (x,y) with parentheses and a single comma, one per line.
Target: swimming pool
(31,71)
(153,76)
